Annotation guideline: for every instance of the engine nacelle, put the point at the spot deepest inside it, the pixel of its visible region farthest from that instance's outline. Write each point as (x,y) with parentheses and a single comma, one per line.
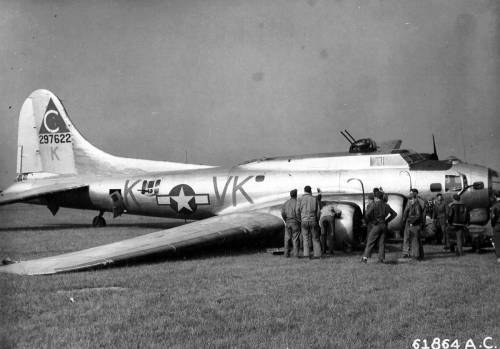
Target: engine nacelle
(396,201)
(479,216)
(348,226)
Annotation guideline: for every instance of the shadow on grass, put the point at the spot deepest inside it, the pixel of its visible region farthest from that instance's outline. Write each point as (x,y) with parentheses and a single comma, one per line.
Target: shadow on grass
(159,226)
(225,249)
(448,254)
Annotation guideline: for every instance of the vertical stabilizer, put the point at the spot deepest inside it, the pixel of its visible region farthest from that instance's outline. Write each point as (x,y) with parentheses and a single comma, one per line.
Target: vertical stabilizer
(49,142)
(44,139)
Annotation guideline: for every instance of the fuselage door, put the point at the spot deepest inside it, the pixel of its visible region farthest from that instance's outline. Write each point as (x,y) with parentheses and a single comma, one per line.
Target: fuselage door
(117,200)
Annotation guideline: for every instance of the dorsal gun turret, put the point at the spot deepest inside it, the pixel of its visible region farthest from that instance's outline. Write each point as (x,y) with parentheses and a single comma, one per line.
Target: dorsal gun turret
(363,145)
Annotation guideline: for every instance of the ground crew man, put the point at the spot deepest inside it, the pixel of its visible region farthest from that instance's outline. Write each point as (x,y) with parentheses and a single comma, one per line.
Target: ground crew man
(440,219)
(327,227)
(458,219)
(406,235)
(291,216)
(379,215)
(495,223)
(368,224)
(412,218)
(309,216)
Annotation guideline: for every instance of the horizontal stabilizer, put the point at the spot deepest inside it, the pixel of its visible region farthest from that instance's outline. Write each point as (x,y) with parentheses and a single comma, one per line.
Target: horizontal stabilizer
(10,196)
(200,233)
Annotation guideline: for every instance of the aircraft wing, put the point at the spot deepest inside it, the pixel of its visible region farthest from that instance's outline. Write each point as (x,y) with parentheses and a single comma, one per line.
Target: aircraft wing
(30,193)
(210,231)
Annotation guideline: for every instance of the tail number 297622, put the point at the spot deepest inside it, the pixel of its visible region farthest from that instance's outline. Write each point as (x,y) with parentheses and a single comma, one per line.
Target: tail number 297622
(55,138)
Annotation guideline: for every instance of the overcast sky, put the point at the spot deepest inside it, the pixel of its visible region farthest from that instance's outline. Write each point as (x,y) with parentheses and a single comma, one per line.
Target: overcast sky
(228,81)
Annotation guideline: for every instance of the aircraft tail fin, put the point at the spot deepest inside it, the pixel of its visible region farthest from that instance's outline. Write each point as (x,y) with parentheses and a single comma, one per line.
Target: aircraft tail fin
(49,142)
(45,137)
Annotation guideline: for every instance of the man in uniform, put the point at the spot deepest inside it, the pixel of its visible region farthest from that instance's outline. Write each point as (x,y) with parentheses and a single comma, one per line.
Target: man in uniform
(495,223)
(309,215)
(368,224)
(377,216)
(327,227)
(406,235)
(412,218)
(458,219)
(291,216)
(440,216)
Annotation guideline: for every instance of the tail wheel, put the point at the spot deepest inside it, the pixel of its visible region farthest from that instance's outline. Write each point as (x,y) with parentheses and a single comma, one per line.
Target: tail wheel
(98,222)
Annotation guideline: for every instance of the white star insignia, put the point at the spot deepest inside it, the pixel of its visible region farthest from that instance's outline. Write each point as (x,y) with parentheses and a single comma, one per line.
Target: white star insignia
(182,200)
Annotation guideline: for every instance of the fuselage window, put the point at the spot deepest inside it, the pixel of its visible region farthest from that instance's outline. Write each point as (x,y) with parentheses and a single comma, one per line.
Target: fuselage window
(453,183)
(144,187)
(259,178)
(436,187)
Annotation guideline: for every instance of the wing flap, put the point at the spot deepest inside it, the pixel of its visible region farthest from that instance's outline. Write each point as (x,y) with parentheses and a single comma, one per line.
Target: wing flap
(206,232)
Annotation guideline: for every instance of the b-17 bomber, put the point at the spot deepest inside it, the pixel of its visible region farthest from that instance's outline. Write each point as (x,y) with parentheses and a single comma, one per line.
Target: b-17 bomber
(57,167)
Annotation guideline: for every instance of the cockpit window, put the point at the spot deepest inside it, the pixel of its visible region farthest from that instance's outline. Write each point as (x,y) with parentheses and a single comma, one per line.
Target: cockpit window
(453,183)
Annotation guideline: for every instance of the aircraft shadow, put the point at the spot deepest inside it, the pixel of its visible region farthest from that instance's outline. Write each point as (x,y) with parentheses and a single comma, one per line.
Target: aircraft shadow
(159,226)
(448,254)
(225,249)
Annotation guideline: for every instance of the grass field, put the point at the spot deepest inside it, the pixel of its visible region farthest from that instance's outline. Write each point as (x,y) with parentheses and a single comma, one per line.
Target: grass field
(240,299)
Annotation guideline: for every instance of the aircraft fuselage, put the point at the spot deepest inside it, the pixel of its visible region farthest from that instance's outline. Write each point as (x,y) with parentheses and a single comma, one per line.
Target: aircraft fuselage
(203,193)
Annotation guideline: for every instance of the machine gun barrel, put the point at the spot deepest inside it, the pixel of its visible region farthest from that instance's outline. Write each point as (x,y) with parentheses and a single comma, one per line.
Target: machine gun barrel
(352,138)
(350,142)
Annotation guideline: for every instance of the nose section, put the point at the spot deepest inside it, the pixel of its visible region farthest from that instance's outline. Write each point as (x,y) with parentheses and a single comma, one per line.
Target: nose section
(478,193)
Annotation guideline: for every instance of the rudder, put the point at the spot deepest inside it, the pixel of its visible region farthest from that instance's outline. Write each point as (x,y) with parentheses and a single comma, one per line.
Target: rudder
(45,140)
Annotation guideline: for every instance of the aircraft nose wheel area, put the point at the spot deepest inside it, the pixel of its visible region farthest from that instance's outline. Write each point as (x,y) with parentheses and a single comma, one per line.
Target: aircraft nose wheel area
(99,220)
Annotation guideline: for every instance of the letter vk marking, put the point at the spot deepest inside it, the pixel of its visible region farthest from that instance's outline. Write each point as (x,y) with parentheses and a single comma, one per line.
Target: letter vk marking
(221,197)
(183,200)
(127,190)
(239,187)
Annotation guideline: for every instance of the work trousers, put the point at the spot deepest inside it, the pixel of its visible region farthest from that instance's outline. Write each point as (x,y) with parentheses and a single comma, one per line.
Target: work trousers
(377,233)
(408,241)
(327,238)
(459,233)
(442,231)
(310,234)
(292,238)
(496,237)
(414,232)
